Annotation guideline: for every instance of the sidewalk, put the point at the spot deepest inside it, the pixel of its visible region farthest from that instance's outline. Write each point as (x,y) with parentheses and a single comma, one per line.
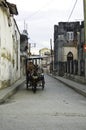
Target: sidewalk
(9,91)
(80,88)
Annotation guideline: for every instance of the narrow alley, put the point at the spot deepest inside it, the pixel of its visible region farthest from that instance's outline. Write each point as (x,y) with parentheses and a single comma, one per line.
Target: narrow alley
(57,107)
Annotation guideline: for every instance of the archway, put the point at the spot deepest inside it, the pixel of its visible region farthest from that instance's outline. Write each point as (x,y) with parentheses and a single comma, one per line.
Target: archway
(70,56)
(70,62)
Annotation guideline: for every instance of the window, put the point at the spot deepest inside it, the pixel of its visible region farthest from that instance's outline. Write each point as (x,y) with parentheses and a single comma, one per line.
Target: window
(70,36)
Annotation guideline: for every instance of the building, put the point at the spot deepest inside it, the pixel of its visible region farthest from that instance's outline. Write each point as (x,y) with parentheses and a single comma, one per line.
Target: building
(24,42)
(66,40)
(46,54)
(9,45)
(23,51)
(44,51)
(81,61)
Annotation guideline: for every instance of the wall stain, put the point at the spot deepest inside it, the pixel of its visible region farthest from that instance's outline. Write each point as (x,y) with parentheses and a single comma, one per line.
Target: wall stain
(6,55)
(4,84)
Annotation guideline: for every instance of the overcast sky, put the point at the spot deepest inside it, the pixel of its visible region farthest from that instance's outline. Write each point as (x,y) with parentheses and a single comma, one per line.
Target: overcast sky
(40,16)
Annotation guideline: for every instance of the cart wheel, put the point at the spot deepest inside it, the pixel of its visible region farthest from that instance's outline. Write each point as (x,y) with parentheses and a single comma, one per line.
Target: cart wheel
(34,89)
(27,84)
(27,87)
(42,84)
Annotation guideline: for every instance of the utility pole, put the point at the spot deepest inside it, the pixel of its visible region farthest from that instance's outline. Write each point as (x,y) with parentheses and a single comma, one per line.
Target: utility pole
(84,46)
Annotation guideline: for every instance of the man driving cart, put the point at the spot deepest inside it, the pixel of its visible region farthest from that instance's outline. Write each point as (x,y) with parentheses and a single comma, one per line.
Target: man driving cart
(34,76)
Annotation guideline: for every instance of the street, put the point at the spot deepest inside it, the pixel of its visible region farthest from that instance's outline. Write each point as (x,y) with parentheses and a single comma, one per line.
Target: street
(57,107)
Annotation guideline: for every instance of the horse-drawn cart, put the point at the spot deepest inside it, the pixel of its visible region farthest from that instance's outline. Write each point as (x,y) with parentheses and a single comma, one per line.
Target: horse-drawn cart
(34,73)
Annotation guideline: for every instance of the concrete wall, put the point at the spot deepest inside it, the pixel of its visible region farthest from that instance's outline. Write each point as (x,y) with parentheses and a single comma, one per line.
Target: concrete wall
(9,49)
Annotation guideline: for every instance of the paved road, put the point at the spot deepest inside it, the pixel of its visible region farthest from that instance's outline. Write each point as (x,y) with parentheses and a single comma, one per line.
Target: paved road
(56,108)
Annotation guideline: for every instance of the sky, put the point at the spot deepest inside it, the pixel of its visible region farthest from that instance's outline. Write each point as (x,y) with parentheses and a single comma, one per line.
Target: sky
(40,16)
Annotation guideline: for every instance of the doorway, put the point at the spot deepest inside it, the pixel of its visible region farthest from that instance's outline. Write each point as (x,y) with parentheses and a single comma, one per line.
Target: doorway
(70,62)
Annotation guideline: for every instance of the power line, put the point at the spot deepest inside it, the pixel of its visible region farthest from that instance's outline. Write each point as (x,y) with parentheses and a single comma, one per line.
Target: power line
(39,10)
(72,10)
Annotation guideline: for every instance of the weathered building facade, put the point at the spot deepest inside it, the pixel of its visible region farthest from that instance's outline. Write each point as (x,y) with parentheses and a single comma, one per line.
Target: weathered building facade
(81,61)
(66,40)
(9,45)
(44,51)
(46,54)
(23,51)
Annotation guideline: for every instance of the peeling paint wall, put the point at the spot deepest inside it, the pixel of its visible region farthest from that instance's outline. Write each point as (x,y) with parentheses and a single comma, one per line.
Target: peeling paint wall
(9,50)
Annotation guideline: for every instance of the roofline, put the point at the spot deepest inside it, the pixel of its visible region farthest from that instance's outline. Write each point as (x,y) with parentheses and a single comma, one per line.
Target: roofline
(12,7)
(16,25)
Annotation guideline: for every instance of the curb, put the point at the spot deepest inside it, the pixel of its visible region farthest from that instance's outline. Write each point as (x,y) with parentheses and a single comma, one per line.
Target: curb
(8,92)
(78,90)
